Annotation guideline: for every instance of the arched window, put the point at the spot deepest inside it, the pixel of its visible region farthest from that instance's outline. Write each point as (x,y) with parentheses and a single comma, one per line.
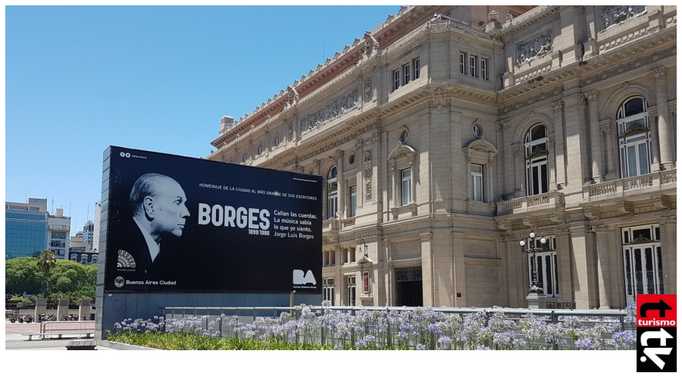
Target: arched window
(634,138)
(537,160)
(332,193)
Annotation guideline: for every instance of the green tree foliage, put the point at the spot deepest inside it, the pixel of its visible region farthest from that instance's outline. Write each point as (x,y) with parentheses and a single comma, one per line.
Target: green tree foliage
(23,276)
(66,279)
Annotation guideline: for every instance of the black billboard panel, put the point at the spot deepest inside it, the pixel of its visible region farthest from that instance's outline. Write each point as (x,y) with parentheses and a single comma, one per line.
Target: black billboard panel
(178,224)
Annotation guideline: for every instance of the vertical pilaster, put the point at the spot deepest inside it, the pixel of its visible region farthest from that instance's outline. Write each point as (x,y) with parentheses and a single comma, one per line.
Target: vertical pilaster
(668,227)
(427,269)
(665,141)
(564,265)
(576,145)
(506,184)
(459,270)
(606,266)
(341,191)
(519,167)
(584,275)
(611,151)
(559,151)
(595,136)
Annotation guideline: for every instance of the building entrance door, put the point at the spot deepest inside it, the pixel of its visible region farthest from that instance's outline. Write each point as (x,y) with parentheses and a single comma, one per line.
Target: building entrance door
(408,287)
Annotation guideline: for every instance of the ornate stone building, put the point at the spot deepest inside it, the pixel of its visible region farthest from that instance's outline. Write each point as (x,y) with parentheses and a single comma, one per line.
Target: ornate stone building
(448,133)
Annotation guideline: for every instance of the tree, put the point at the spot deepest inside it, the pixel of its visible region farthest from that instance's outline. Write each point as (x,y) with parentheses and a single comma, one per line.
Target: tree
(22,276)
(46,262)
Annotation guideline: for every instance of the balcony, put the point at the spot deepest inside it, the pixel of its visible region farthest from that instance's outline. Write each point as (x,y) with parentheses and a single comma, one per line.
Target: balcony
(543,201)
(644,184)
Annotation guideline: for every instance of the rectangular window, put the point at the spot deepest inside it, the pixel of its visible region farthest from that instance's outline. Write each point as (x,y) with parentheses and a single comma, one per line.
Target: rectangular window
(462,63)
(473,66)
(406,176)
(365,282)
(328,290)
(415,68)
(477,182)
(396,79)
(350,290)
(406,73)
(484,69)
(353,201)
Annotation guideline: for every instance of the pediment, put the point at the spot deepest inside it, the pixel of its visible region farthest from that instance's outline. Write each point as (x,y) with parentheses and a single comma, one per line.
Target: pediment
(402,151)
(482,146)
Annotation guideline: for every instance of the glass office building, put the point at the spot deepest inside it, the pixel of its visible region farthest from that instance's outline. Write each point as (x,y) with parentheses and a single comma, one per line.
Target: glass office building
(25,228)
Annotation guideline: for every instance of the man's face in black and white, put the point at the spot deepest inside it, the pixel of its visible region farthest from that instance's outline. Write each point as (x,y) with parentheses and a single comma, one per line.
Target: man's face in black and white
(169,211)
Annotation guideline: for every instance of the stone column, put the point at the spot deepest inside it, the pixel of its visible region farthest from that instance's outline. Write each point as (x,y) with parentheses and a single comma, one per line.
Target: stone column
(341,192)
(595,136)
(517,274)
(605,267)
(606,127)
(669,253)
(655,149)
(359,176)
(519,168)
(459,272)
(505,184)
(665,140)
(559,153)
(338,277)
(564,265)
(427,269)
(584,275)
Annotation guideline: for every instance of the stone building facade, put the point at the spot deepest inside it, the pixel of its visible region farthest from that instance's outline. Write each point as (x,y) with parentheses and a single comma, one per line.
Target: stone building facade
(448,133)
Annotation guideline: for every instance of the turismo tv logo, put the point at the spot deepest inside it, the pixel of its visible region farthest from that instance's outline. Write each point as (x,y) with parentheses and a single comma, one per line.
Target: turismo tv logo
(656,333)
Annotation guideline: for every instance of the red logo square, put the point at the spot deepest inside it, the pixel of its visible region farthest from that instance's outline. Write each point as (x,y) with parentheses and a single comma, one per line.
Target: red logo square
(656,310)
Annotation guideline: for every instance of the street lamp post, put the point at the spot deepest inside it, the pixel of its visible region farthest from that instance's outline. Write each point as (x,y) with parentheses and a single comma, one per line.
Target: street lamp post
(536,297)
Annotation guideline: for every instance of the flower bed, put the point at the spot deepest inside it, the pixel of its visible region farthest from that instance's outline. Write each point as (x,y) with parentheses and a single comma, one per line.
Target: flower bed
(418,328)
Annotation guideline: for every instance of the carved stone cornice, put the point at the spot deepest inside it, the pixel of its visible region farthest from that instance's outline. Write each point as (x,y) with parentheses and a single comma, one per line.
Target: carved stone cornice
(505,225)
(625,208)
(557,218)
(591,213)
(661,202)
(529,222)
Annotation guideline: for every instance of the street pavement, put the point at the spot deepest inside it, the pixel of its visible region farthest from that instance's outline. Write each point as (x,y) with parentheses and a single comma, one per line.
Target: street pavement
(15,340)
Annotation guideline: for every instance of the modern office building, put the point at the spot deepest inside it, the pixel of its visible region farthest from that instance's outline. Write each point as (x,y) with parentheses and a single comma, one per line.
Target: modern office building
(26,228)
(59,231)
(31,229)
(448,134)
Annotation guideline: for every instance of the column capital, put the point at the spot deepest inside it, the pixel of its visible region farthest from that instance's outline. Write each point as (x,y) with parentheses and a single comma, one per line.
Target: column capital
(591,96)
(668,220)
(558,106)
(659,74)
(504,124)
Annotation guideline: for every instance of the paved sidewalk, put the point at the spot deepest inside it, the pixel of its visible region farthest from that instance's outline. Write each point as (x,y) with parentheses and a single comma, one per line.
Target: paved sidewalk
(15,340)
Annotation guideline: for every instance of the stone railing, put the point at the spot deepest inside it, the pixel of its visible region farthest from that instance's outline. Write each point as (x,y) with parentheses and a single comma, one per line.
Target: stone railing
(346,222)
(621,187)
(529,203)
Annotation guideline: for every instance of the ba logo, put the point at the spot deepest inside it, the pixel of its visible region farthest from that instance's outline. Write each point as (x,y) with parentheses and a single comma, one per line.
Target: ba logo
(125,155)
(301,279)
(656,333)
(119,281)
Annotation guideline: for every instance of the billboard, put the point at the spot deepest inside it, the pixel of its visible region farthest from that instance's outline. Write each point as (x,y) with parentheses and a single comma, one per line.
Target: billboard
(178,224)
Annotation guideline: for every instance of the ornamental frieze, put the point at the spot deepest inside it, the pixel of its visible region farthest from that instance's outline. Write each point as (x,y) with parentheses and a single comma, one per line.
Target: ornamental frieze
(614,15)
(330,112)
(536,48)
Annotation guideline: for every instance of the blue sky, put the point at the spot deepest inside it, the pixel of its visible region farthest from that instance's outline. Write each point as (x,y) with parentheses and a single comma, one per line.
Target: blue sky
(159,78)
